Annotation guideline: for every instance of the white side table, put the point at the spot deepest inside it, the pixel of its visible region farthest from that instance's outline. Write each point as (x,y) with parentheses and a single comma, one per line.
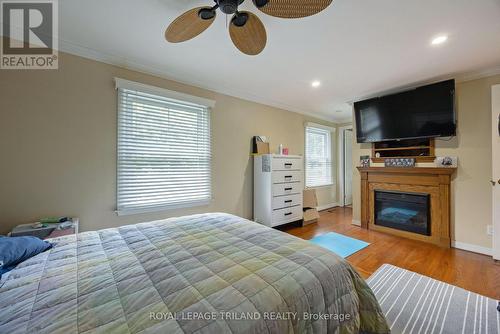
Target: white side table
(52,230)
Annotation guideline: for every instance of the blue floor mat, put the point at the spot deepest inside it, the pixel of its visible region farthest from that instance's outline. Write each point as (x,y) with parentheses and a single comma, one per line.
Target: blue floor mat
(339,244)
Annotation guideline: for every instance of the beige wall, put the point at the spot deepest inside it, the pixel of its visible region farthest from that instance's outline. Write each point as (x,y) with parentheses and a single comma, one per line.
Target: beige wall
(471,190)
(58,145)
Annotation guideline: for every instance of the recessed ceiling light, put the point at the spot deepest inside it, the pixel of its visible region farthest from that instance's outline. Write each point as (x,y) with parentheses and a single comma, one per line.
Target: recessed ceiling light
(439,39)
(316,83)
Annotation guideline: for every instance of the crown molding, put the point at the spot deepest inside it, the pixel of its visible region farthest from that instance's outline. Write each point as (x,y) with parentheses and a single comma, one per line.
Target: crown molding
(126,63)
(459,78)
(478,74)
(345,121)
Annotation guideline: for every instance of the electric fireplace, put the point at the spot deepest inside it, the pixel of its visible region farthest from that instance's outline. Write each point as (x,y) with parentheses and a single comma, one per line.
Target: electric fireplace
(403,211)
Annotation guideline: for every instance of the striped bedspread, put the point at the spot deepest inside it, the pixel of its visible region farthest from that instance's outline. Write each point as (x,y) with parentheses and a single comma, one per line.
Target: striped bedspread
(211,273)
(415,303)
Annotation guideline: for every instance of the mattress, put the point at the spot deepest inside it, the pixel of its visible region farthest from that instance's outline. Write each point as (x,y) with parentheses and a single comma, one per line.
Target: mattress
(210,273)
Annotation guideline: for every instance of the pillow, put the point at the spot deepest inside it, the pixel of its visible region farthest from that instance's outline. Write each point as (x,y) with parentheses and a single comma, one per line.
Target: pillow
(14,250)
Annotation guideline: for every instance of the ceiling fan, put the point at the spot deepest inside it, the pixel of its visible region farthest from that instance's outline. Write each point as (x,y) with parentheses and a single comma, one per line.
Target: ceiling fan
(246,30)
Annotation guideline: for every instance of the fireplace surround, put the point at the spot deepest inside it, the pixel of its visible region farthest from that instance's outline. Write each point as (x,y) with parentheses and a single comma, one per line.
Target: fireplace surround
(403,211)
(429,187)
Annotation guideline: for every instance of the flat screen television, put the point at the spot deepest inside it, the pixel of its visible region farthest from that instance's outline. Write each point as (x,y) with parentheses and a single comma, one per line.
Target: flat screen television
(424,112)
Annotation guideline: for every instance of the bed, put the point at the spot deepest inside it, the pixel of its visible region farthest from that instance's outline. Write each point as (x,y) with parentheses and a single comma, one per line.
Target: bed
(210,273)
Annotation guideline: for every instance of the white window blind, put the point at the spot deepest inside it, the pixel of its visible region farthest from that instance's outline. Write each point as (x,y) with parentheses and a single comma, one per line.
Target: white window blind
(164,157)
(318,157)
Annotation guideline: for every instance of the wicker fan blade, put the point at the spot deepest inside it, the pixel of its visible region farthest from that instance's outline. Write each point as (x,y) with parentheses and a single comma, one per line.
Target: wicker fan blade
(251,38)
(187,26)
(291,9)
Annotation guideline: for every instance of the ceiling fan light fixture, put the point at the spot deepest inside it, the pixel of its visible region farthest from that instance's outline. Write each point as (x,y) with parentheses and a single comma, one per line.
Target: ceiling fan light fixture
(207,13)
(239,19)
(260,3)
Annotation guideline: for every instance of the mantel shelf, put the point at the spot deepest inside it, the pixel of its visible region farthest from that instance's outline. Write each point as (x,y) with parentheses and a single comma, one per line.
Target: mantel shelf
(409,170)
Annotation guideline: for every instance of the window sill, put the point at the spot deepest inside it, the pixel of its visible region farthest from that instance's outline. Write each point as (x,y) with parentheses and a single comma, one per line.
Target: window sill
(322,186)
(161,208)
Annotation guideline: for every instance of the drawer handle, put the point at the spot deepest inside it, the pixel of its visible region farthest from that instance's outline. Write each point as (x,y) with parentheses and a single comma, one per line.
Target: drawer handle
(288,189)
(288,176)
(288,214)
(289,201)
(288,165)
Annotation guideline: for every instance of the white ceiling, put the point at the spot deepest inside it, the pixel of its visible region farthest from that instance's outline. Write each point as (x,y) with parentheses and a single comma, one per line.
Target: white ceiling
(355,47)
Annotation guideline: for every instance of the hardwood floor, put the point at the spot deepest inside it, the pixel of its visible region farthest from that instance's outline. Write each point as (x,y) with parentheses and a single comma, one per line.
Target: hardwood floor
(474,272)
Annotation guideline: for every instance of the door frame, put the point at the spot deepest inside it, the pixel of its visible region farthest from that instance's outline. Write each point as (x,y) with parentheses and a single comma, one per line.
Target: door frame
(495,172)
(341,159)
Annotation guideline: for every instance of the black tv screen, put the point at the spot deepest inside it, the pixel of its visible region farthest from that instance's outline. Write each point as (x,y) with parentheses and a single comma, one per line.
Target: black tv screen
(424,112)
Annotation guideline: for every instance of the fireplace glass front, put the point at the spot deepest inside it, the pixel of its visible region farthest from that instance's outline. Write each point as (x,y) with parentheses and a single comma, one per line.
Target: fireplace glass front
(403,211)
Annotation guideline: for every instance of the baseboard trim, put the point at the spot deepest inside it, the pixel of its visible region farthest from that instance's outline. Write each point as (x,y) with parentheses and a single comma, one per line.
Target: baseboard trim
(326,206)
(472,248)
(356,222)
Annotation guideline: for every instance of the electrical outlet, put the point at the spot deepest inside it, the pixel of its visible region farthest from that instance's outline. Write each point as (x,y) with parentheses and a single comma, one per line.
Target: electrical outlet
(489,229)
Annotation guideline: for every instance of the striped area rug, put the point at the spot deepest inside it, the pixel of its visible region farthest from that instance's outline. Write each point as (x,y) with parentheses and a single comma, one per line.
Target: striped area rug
(414,303)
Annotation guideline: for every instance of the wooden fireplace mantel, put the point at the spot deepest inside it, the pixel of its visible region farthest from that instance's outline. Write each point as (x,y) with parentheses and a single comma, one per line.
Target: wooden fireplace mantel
(434,181)
(412,170)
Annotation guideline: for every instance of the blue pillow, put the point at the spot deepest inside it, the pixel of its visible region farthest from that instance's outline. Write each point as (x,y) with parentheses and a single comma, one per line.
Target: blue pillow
(14,250)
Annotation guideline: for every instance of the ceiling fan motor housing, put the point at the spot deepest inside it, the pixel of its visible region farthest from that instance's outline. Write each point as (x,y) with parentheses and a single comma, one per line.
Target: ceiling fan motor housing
(229,6)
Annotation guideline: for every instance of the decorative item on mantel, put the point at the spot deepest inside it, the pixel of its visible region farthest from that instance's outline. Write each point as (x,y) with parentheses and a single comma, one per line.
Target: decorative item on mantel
(364,160)
(446,162)
(399,162)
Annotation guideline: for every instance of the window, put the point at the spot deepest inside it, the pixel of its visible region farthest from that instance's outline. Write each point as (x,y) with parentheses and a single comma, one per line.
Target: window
(318,156)
(164,158)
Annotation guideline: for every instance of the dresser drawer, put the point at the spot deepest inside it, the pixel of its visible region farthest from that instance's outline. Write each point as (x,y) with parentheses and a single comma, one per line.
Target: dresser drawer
(287,201)
(287,176)
(287,215)
(287,164)
(287,189)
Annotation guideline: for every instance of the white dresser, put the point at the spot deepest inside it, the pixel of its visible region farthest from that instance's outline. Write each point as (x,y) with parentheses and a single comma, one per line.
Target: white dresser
(278,186)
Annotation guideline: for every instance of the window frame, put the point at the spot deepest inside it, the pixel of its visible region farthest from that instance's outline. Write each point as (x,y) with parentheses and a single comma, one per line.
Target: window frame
(181,97)
(331,136)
